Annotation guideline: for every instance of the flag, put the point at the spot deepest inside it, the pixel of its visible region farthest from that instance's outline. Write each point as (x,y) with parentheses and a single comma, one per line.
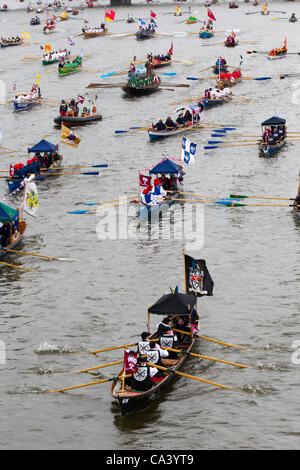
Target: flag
(25,35)
(153,22)
(109,15)
(70,41)
(188,150)
(152,14)
(210,15)
(31,199)
(144,180)
(141,21)
(47,48)
(171,49)
(197,278)
(130,360)
(285,42)
(80,99)
(69,137)
(241,61)
(11,171)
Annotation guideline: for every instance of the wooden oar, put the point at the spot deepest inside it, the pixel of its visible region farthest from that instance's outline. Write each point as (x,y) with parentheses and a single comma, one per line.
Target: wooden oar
(85,385)
(90,369)
(210,358)
(35,254)
(207,147)
(190,376)
(238,196)
(212,340)
(14,266)
(7,148)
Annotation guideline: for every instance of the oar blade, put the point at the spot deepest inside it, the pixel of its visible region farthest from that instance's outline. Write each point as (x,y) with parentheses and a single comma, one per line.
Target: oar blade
(102,165)
(78,212)
(90,173)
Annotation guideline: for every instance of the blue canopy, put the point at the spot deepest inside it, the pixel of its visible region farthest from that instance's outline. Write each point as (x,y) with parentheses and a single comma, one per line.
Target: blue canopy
(43,146)
(7,213)
(166,166)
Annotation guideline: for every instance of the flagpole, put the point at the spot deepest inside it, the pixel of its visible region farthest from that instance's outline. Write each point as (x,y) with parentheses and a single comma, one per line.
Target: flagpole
(183,254)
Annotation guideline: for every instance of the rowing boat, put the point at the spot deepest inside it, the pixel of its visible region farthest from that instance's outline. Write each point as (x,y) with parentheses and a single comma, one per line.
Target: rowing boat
(4,43)
(11,217)
(49,28)
(26,104)
(206,34)
(35,21)
(226,82)
(68,68)
(265,146)
(144,34)
(191,20)
(210,103)
(218,69)
(142,86)
(293,20)
(77,120)
(94,32)
(151,213)
(168,305)
(277,56)
(231,44)
(54,57)
(157,135)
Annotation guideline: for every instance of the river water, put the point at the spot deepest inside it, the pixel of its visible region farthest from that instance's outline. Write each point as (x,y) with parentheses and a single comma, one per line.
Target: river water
(100,300)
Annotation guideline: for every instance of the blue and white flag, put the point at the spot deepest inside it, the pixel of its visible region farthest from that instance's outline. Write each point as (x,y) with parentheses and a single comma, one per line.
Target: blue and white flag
(141,21)
(70,41)
(153,22)
(188,150)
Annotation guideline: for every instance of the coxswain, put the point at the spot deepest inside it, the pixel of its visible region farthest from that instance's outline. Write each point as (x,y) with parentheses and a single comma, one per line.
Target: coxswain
(140,380)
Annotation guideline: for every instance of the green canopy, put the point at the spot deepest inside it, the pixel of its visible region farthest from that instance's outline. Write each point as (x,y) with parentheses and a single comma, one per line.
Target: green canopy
(7,214)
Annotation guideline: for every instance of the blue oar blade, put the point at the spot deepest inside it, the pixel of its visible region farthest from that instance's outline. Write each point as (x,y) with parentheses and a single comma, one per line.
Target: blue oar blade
(90,203)
(120,132)
(192,78)
(215,142)
(262,78)
(78,212)
(102,165)
(90,173)
(219,130)
(217,135)
(108,75)
(230,128)
(170,74)
(135,127)
(211,147)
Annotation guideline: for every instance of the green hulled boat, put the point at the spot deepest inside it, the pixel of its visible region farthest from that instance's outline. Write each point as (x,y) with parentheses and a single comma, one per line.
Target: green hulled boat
(68,68)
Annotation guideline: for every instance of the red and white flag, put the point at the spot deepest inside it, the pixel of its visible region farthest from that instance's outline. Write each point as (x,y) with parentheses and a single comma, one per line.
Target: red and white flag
(152,14)
(171,49)
(11,171)
(130,360)
(210,15)
(80,99)
(145,180)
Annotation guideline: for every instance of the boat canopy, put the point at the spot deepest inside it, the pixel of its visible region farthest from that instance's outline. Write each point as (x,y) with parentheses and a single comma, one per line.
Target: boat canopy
(43,146)
(273,121)
(174,304)
(7,214)
(166,166)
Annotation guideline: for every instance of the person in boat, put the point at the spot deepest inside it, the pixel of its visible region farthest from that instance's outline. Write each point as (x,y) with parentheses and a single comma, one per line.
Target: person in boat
(180,120)
(281,132)
(158,191)
(293,17)
(159,126)
(157,356)
(163,325)
(297,201)
(149,67)
(63,108)
(141,379)
(168,340)
(143,345)
(169,123)
(147,197)
(166,183)
(207,94)
(188,118)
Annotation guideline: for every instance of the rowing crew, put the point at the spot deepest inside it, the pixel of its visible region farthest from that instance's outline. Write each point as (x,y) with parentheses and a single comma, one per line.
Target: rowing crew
(183,120)
(154,195)
(34,94)
(157,353)
(11,40)
(273,134)
(217,93)
(56,55)
(99,29)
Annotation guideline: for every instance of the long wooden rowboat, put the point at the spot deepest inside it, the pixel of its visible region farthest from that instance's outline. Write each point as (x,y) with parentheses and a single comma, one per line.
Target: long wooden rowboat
(225,82)
(16,240)
(157,135)
(231,44)
(141,90)
(10,44)
(268,150)
(210,103)
(23,105)
(157,63)
(77,120)
(129,400)
(141,35)
(94,34)
(14,183)
(68,69)
(206,34)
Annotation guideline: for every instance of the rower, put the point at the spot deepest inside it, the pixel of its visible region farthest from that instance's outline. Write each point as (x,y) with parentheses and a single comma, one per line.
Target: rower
(158,192)
(160,126)
(147,197)
(155,354)
(143,345)
(281,132)
(140,380)
(169,123)
(180,120)
(297,201)
(168,340)
(188,118)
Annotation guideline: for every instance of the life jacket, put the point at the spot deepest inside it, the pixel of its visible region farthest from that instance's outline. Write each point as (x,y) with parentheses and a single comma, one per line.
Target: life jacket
(140,381)
(156,190)
(148,198)
(153,356)
(143,347)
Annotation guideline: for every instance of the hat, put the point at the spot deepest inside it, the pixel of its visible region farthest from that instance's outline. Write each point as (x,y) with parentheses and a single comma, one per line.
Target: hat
(146,190)
(29,162)
(156,182)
